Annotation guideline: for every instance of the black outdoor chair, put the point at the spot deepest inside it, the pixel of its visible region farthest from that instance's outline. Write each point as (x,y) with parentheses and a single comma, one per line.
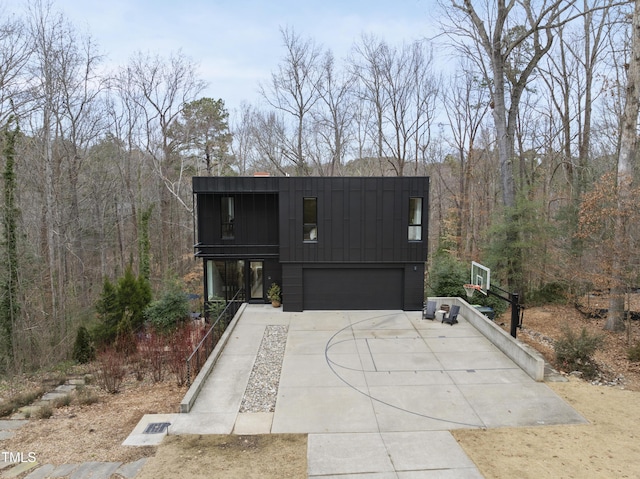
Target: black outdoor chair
(452,317)
(429,310)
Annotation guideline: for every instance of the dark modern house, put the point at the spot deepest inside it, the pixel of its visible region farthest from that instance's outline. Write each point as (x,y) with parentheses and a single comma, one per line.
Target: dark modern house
(331,242)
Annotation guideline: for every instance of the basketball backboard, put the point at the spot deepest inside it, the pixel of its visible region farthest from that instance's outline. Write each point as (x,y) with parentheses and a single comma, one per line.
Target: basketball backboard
(481,276)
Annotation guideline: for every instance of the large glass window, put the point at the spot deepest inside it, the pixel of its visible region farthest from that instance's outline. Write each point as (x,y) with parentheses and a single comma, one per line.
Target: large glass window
(227,216)
(415,219)
(224,278)
(310,219)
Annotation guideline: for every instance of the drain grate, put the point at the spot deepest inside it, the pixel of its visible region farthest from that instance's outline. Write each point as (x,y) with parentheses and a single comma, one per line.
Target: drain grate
(156,427)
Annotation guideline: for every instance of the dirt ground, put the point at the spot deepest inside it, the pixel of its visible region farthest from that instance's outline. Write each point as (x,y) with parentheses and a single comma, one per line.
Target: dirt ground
(607,447)
(272,456)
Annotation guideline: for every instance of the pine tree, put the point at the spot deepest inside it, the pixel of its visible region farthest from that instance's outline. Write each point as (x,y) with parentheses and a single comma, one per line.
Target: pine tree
(83,350)
(109,313)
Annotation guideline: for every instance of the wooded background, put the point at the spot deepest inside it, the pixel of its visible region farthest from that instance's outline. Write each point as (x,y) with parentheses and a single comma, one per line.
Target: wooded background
(518,120)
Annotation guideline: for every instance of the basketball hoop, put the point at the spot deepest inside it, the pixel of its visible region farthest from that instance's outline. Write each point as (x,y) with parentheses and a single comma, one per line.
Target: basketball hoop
(470,289)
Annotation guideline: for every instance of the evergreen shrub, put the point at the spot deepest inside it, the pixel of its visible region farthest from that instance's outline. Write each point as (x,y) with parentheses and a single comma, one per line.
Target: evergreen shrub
(168,312)
(574,352)
(633,354)
(83,350)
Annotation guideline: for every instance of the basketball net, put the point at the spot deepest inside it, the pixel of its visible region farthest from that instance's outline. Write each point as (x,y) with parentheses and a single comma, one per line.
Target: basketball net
(470,289)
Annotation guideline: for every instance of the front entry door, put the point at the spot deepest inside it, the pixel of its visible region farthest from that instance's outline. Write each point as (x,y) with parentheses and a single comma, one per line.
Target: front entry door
(256,282)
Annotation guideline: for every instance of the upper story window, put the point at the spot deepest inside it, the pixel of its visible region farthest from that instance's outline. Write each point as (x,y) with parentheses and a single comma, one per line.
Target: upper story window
(415,219)
(310,219)
(227,215)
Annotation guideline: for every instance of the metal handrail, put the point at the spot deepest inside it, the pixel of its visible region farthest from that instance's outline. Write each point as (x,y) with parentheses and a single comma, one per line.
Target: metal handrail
(201,352)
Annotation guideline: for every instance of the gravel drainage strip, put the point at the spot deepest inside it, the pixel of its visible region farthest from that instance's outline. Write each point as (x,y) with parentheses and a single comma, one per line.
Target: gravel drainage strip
(262,389)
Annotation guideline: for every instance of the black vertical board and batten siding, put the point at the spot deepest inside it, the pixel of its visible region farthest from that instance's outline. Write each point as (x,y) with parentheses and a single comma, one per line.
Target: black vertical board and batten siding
(256,222)
(362,233)
(360,220)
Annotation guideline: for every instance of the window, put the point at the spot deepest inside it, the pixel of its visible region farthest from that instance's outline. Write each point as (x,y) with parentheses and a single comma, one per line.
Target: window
(415,219)
(226,217)
(310,219)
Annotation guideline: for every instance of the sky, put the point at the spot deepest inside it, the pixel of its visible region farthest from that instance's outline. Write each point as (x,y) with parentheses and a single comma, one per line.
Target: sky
(237,43)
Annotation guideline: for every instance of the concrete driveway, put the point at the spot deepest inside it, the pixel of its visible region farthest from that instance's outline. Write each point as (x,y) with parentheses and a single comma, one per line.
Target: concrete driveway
(377,392)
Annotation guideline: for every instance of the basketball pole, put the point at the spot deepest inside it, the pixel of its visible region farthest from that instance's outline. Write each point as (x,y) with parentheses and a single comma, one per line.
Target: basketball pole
(514,300)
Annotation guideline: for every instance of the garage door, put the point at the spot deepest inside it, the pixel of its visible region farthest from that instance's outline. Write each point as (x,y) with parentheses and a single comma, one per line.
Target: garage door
(353,288)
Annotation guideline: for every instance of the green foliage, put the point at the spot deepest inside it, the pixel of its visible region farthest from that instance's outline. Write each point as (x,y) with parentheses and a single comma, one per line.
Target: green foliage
(550,293)
(125,338)
(144,244)
(83,350)
(134,295)
(574,352)
(109,313)
(633,354)
(125,301)
(215,307)
(169,311)
(447,277)
(9,299)
(205,127)
(275,293)
(520,232)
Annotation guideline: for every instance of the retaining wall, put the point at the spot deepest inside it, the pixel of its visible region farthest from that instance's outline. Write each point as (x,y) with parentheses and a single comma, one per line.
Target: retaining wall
(521,354)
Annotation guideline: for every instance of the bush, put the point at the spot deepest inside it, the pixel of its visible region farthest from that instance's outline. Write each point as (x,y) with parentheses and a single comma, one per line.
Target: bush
(447,276)
(44,412)
(83,350)
(633,354)
(169,311)
(125,342)
(62,401)
(152,349)
(111,370)
(550,293)
(574,352)
(180,346)
(130,296)
(85,396)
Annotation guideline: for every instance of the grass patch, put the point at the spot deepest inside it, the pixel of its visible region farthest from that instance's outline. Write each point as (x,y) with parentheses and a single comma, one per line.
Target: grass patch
(19,400)
(86,396)
(44,412)
(62,401)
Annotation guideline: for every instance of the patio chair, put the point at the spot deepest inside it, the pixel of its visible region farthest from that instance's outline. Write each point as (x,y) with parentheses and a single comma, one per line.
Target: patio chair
(429,310)
(452,317)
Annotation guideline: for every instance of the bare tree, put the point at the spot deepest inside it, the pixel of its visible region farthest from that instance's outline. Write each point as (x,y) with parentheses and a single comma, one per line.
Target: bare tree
(15,51)
(270,136)
(54,69)
(466,105)
(368,63)
(243,145)
(625,175)
(333,116)
(294,90)
(508,40)
(162,87)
